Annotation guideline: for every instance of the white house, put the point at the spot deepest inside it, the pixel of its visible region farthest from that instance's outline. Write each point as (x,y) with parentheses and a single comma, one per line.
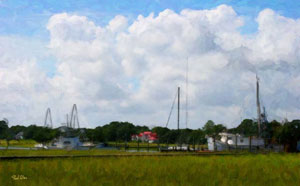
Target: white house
(232,141)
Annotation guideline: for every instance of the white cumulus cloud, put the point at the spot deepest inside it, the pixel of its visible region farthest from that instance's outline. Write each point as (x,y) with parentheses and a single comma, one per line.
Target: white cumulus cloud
(131,72)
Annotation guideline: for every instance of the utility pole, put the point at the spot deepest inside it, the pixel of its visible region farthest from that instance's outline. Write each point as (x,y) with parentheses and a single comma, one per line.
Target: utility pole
(178,109)
(258,106)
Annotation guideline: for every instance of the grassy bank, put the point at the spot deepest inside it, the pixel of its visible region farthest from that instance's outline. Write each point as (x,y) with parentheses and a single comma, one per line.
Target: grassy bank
(43,152)
(145,144)
(58,152)
(18,143)
(272,169)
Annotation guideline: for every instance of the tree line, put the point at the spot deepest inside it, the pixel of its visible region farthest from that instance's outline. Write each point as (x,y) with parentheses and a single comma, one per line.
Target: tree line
(286,133)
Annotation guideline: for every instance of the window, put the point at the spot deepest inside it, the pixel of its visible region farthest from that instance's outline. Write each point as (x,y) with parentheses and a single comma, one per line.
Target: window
(242,140)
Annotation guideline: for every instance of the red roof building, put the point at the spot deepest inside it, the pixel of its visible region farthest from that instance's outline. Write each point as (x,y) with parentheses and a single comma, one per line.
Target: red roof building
(146,136)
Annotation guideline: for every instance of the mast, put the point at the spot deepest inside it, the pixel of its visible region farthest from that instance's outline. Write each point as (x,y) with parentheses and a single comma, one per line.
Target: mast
(74,117)
(258,105)
(186,94)
(178,108)
(48,114)
(67,116)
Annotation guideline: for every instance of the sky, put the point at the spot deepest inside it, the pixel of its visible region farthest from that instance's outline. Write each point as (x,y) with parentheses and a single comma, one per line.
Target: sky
(123,60)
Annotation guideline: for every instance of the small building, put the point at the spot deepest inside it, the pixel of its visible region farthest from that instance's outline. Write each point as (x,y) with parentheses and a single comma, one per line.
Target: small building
(146,136)
(19,136)
(232,141)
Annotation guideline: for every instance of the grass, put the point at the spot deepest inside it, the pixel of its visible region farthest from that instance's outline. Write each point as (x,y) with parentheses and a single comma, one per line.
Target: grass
(271,169)
(58,152)
(18,143)
(43,152)
(52,152)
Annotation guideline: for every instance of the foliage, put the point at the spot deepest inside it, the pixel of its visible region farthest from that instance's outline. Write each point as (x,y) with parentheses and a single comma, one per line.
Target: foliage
(161,133)
(213,130)
(290,135)
(16,129)
(116,131)
(3,129)
(198,137)
(40,134)
(271,131)
(247,127)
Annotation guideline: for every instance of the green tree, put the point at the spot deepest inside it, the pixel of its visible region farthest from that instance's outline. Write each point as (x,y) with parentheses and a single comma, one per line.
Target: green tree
(118,131)
(271,132)
(3,129)
(184,136)
(161,133)
(40,134)
(5,132)
(290,135)
(139,129)
(212,130)
(99,134)
(171,136)
(247,128)
(197,137)
(208,128)
(16,129)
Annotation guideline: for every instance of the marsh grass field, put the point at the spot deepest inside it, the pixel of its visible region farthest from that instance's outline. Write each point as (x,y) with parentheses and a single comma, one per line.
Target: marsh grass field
(251,169)
(18,143)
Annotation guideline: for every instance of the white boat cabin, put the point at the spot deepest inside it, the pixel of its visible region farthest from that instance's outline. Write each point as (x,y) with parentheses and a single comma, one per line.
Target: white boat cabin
(233,141)
(68,143)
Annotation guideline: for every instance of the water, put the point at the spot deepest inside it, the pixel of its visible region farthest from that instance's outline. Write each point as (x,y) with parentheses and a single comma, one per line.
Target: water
(141,150)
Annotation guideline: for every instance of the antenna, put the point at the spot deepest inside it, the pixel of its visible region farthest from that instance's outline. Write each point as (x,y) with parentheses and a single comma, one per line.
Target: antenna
(258,105)
(48,114)
(178,108)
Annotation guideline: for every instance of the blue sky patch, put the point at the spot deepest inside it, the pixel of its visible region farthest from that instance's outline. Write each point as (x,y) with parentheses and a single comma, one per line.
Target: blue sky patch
(28,17)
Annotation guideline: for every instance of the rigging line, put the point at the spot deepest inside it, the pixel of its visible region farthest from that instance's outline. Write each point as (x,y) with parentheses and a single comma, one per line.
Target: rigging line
(172,108)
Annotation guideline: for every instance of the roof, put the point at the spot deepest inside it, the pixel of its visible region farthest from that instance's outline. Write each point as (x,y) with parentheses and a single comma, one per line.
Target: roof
(150,135)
